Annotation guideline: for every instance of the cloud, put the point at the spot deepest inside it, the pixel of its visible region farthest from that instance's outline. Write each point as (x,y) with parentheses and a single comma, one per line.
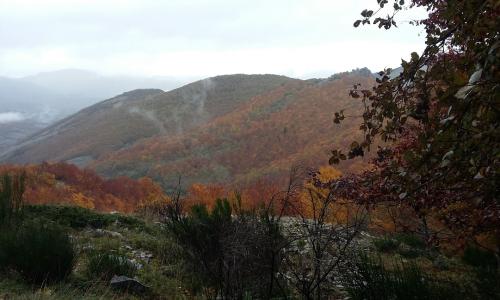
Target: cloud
(10,117)
(195,37)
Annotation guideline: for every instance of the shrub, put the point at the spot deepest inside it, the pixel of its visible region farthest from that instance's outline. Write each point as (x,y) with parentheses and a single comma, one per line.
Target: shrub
(11,195)
(487,276)
(39,251)
(371,280)
(411,240)
(479,258)
(7,243)
(230,255)
(386,244)
(105,265)
(409,252)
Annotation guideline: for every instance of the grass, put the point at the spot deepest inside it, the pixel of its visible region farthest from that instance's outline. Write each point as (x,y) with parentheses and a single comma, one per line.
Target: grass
(405,244)
(82,225)
(72,289)
(106,265)
(168,277)
(372,280)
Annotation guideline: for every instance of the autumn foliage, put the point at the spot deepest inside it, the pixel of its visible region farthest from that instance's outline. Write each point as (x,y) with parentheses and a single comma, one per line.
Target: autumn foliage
(259,140)
(440,116)
(62,183)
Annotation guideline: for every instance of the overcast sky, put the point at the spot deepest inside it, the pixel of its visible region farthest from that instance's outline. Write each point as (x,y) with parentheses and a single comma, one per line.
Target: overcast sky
(197,38)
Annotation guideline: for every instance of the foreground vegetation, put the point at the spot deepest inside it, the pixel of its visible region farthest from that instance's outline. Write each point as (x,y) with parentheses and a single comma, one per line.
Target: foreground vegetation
(63,252)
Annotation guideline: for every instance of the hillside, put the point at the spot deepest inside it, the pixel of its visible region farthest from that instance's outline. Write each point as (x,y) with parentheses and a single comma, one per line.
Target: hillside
(65,184)
(39,100)
(265,136)
(226,129)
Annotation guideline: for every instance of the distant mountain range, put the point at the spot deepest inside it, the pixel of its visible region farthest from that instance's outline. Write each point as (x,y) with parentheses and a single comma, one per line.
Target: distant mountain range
(230,129)
(31,103)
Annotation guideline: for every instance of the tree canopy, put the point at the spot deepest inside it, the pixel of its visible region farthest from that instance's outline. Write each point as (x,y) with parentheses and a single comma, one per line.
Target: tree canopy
(438,119)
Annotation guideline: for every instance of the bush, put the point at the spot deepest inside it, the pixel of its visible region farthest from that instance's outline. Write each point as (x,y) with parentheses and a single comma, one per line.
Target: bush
(371,280)
(411,240)
(11,195)
(39,251)
(105,265)
(485,265)
(7,244)
(230,255)
(479,258)
(386,244)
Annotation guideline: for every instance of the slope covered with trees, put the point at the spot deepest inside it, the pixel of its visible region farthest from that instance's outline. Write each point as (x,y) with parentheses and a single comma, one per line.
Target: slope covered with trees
(226,129)
(119,122)
(66,184)
(263,137)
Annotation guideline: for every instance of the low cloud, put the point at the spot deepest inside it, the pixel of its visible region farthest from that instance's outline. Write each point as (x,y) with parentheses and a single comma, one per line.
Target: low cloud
(9,117)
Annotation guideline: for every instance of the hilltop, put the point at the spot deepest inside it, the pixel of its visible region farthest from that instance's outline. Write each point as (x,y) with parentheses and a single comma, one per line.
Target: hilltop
(225,129)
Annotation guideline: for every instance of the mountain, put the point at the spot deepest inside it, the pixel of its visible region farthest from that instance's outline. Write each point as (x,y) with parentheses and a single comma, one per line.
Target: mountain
(232,129)
(31,103)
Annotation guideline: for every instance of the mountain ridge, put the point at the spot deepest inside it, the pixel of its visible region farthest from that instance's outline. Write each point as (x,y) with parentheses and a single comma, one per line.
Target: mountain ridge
(203,130)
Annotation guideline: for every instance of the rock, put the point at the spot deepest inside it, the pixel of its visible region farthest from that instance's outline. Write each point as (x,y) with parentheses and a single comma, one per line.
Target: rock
(88,247)
(127,284)
(143,255)
(137,265)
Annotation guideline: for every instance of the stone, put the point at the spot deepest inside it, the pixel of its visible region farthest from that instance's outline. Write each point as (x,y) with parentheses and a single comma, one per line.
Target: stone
(127,284)
(143,255)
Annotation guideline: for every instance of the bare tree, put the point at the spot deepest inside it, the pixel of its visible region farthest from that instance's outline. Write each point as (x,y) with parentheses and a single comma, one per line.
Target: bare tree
(318,240)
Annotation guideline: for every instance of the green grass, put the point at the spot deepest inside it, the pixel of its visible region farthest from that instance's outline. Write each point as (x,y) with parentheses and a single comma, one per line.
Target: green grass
(73,289)
(372,280)
(168,276)
(161,273)
(405,244)
(106,265)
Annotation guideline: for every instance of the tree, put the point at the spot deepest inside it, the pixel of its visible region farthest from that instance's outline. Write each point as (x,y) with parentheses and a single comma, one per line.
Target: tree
(319,238)
(440,117)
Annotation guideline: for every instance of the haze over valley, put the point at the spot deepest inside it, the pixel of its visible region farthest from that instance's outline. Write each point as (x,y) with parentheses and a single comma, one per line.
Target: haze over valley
(31,103)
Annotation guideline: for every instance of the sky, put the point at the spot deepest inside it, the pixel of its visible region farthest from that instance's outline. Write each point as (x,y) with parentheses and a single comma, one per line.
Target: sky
(198,38)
